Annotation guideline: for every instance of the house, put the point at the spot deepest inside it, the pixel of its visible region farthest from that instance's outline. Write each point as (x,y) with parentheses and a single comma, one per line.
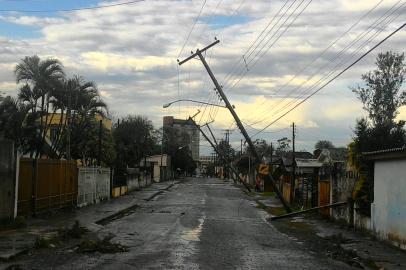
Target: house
(161,167)
(306,171)
(55,120)
(388,209)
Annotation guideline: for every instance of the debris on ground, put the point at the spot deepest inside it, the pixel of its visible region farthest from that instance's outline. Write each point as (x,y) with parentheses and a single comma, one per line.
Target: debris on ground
(76,231)
(102,246)
(50,240)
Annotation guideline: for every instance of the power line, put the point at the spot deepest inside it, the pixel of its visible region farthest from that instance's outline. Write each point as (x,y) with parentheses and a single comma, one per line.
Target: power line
(332,79)
(270,46)
(331,60)
(277,38)
(268,33)
(252,44)
(213,109)
(191,29)
(322,53)
(71,9)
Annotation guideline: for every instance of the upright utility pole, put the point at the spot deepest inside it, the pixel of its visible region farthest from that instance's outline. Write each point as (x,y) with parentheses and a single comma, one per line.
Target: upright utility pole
(292,181)
(241,148)
(235,116)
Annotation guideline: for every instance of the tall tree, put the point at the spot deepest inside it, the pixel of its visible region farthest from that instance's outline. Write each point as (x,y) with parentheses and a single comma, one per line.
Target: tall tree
(41,78)
(382,97)
(133,137)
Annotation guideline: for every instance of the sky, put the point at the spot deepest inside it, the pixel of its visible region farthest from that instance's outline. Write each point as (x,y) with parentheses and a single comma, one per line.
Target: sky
(267,62)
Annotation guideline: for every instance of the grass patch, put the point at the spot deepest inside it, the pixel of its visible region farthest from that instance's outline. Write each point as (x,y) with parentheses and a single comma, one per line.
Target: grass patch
(45,241)
(268,194)
(51,239)
(276,211)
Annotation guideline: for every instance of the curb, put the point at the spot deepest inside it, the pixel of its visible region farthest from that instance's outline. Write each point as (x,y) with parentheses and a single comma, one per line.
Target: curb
(129,210)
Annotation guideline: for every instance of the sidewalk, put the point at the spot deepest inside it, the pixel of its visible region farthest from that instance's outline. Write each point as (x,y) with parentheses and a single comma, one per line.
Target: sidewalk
(335,240)
(14,242)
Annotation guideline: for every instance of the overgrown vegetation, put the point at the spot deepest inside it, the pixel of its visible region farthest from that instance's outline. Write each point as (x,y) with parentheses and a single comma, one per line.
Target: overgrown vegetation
(76,231)
(381,97)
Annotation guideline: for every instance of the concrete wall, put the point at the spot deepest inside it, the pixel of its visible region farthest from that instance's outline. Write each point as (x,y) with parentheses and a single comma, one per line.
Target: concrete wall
(7,180)
(137,180)
(389,206)
(93,185)
(341,191)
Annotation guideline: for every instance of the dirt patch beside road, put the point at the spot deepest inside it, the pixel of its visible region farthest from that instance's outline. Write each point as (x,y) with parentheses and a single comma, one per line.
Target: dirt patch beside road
(328,246)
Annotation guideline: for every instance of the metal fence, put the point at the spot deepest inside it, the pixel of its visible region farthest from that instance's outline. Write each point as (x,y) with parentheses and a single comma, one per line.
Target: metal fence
(45,185)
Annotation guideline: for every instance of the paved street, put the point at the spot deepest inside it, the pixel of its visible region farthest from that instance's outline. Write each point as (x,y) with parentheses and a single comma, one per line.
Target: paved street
(197,224)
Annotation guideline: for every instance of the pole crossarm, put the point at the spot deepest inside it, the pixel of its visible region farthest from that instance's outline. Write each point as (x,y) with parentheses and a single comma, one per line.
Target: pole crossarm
(191,100)
(198,52)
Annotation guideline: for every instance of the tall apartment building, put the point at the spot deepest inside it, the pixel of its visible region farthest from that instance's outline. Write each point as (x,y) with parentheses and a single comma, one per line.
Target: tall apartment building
(189,127)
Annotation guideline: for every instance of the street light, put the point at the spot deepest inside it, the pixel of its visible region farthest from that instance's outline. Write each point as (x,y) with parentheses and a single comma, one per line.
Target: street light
(166,105)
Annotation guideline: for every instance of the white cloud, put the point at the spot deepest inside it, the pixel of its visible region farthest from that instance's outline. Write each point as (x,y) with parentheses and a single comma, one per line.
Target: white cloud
(131,51)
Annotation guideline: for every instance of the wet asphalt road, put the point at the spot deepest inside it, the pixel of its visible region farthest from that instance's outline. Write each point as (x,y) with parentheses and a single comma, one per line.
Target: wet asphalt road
(199,224)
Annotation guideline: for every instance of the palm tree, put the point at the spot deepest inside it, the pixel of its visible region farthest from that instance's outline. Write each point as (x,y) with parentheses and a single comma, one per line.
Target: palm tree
(14,116)
(41,78)
(78,101)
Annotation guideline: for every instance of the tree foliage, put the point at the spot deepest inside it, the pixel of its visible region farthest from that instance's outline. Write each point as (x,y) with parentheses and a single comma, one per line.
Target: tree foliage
(283,146)
(323,144)
(44,93)
(133,137)
(382,97)
(263,148)
(176,144)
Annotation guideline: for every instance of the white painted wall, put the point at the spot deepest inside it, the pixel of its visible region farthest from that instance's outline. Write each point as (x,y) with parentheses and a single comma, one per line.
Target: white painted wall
(389,206)
(93,185)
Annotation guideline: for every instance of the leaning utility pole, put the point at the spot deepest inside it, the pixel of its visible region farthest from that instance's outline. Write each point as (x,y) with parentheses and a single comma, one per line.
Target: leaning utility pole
(220,155)
(235,116)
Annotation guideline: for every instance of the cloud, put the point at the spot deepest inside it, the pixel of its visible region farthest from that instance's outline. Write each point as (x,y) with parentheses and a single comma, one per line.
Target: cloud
(131,51)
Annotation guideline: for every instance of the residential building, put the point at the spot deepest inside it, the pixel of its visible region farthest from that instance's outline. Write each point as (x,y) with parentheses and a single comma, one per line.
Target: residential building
(189,127)
(388,209)
(161,167)
(56,119)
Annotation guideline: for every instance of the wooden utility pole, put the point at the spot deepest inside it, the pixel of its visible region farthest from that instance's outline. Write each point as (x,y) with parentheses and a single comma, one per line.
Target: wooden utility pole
(292,181)
(217,146)
(220,155)
(235,116)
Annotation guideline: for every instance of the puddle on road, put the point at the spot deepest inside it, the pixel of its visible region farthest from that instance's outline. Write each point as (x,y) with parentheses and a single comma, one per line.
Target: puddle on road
(194,234)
